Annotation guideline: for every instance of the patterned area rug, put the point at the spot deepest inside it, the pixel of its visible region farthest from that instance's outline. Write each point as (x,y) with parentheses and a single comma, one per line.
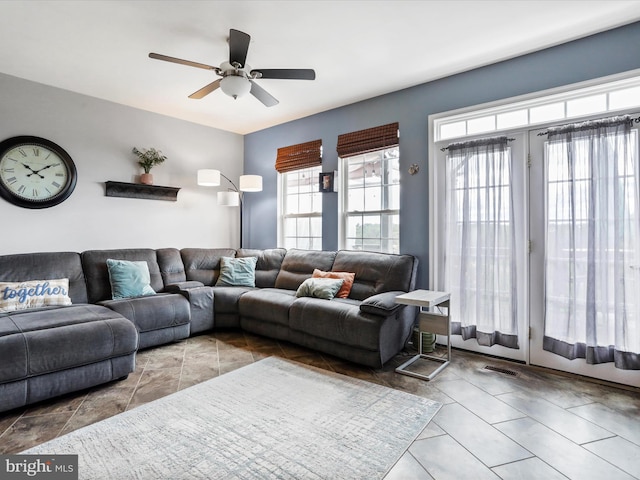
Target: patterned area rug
(271,419)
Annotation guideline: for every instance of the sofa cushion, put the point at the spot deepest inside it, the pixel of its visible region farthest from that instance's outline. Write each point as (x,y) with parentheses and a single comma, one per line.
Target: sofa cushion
(154,312)
(298,265)
(324,288)
(171,266)
(227,299)
(46,266)
(203,264)
(268,304)
(16,296)
(35,342)
(129,279)
(268,266)
(94,263)
(237,272)
(339,320)
(377,272)
(347,278)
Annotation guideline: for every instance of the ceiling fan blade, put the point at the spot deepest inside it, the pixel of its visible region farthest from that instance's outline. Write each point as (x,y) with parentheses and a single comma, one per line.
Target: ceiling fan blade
(238,46)
(189,63)
(206,90)
(262,95)
(286,73)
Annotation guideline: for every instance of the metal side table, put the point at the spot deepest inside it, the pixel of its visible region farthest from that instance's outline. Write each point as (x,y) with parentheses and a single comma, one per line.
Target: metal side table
(429,321)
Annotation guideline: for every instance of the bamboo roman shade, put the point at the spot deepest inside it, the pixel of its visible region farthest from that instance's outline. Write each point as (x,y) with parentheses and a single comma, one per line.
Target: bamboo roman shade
(369,140)
(302,155)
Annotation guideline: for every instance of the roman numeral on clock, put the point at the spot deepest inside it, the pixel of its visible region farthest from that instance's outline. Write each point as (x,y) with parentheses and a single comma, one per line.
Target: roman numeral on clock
(55,184)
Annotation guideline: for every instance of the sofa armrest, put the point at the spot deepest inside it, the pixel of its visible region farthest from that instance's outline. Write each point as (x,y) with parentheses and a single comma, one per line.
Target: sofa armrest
(382,304)
(200,299)
(178,287)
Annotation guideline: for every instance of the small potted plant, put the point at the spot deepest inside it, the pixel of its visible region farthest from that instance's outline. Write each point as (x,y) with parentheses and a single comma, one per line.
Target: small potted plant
(148,158)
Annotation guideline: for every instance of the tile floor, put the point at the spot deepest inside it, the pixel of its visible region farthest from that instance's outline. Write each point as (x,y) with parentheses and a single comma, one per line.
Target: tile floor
(536,425)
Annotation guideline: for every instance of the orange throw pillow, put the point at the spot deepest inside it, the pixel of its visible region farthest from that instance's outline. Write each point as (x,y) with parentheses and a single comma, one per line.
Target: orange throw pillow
(346,276)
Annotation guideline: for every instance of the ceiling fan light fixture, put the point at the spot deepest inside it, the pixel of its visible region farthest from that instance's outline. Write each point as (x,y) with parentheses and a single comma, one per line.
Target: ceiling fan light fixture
(235,85)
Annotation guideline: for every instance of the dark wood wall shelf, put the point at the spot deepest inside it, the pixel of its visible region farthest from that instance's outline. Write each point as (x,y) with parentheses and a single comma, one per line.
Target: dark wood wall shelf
(139,190)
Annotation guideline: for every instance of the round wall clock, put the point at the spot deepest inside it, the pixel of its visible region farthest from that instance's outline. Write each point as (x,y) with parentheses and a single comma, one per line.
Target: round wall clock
(35,172)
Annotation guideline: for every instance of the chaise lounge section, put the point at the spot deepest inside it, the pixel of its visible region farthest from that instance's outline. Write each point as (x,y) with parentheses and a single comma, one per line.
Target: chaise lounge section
(53,350)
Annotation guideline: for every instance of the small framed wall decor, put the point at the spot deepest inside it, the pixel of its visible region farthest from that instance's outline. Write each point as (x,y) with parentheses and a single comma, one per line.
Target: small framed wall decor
(327,182)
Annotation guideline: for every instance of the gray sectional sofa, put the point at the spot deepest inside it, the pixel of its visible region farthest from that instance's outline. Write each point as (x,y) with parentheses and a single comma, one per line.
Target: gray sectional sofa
(53,350)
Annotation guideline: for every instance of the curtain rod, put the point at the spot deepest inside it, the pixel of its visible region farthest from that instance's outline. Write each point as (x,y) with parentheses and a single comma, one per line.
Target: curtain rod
(546,132)
(444,149)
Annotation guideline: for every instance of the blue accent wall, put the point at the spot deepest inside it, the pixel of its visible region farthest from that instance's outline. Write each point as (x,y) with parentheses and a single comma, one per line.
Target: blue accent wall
(599,55)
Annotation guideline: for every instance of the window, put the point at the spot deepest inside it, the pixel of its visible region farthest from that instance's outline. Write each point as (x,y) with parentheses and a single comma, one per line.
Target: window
(300,200)
(371,201)
(301,219)
(590,100)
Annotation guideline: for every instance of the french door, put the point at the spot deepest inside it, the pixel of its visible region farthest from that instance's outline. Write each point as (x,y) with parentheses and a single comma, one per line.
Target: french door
(544,284)
(569,279)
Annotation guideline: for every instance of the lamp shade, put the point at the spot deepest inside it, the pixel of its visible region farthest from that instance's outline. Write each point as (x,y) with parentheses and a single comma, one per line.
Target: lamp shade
(235,85)
(209,178)
(229,199)
(250,183)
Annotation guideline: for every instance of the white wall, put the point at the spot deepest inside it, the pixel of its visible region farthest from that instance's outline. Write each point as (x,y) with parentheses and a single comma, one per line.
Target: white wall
(99,136)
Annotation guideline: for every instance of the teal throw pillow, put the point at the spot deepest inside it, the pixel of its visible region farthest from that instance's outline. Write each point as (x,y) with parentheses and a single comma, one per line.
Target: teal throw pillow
(129,279)
(325,288)
(237,272)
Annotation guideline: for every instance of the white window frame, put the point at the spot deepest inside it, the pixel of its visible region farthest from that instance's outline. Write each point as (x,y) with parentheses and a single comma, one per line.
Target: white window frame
(345,242)
(282,209)
(542,108)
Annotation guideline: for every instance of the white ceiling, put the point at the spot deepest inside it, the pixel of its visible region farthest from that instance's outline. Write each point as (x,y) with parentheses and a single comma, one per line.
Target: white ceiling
(359,49)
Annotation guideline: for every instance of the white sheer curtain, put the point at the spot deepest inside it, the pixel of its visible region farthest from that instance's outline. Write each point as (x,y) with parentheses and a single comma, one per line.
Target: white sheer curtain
(592,265)
(480,261)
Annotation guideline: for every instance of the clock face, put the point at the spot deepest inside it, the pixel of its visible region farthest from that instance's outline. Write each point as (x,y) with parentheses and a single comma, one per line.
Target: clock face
(35,173)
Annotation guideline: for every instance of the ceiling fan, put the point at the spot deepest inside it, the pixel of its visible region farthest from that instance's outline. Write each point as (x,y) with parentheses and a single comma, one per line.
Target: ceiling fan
(237,77)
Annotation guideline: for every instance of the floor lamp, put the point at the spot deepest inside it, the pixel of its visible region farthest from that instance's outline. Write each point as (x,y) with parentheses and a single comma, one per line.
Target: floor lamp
(232,197)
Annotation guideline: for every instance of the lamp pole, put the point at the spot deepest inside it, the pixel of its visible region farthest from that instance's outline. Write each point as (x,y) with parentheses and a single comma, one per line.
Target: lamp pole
(237,190)
(248,183)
